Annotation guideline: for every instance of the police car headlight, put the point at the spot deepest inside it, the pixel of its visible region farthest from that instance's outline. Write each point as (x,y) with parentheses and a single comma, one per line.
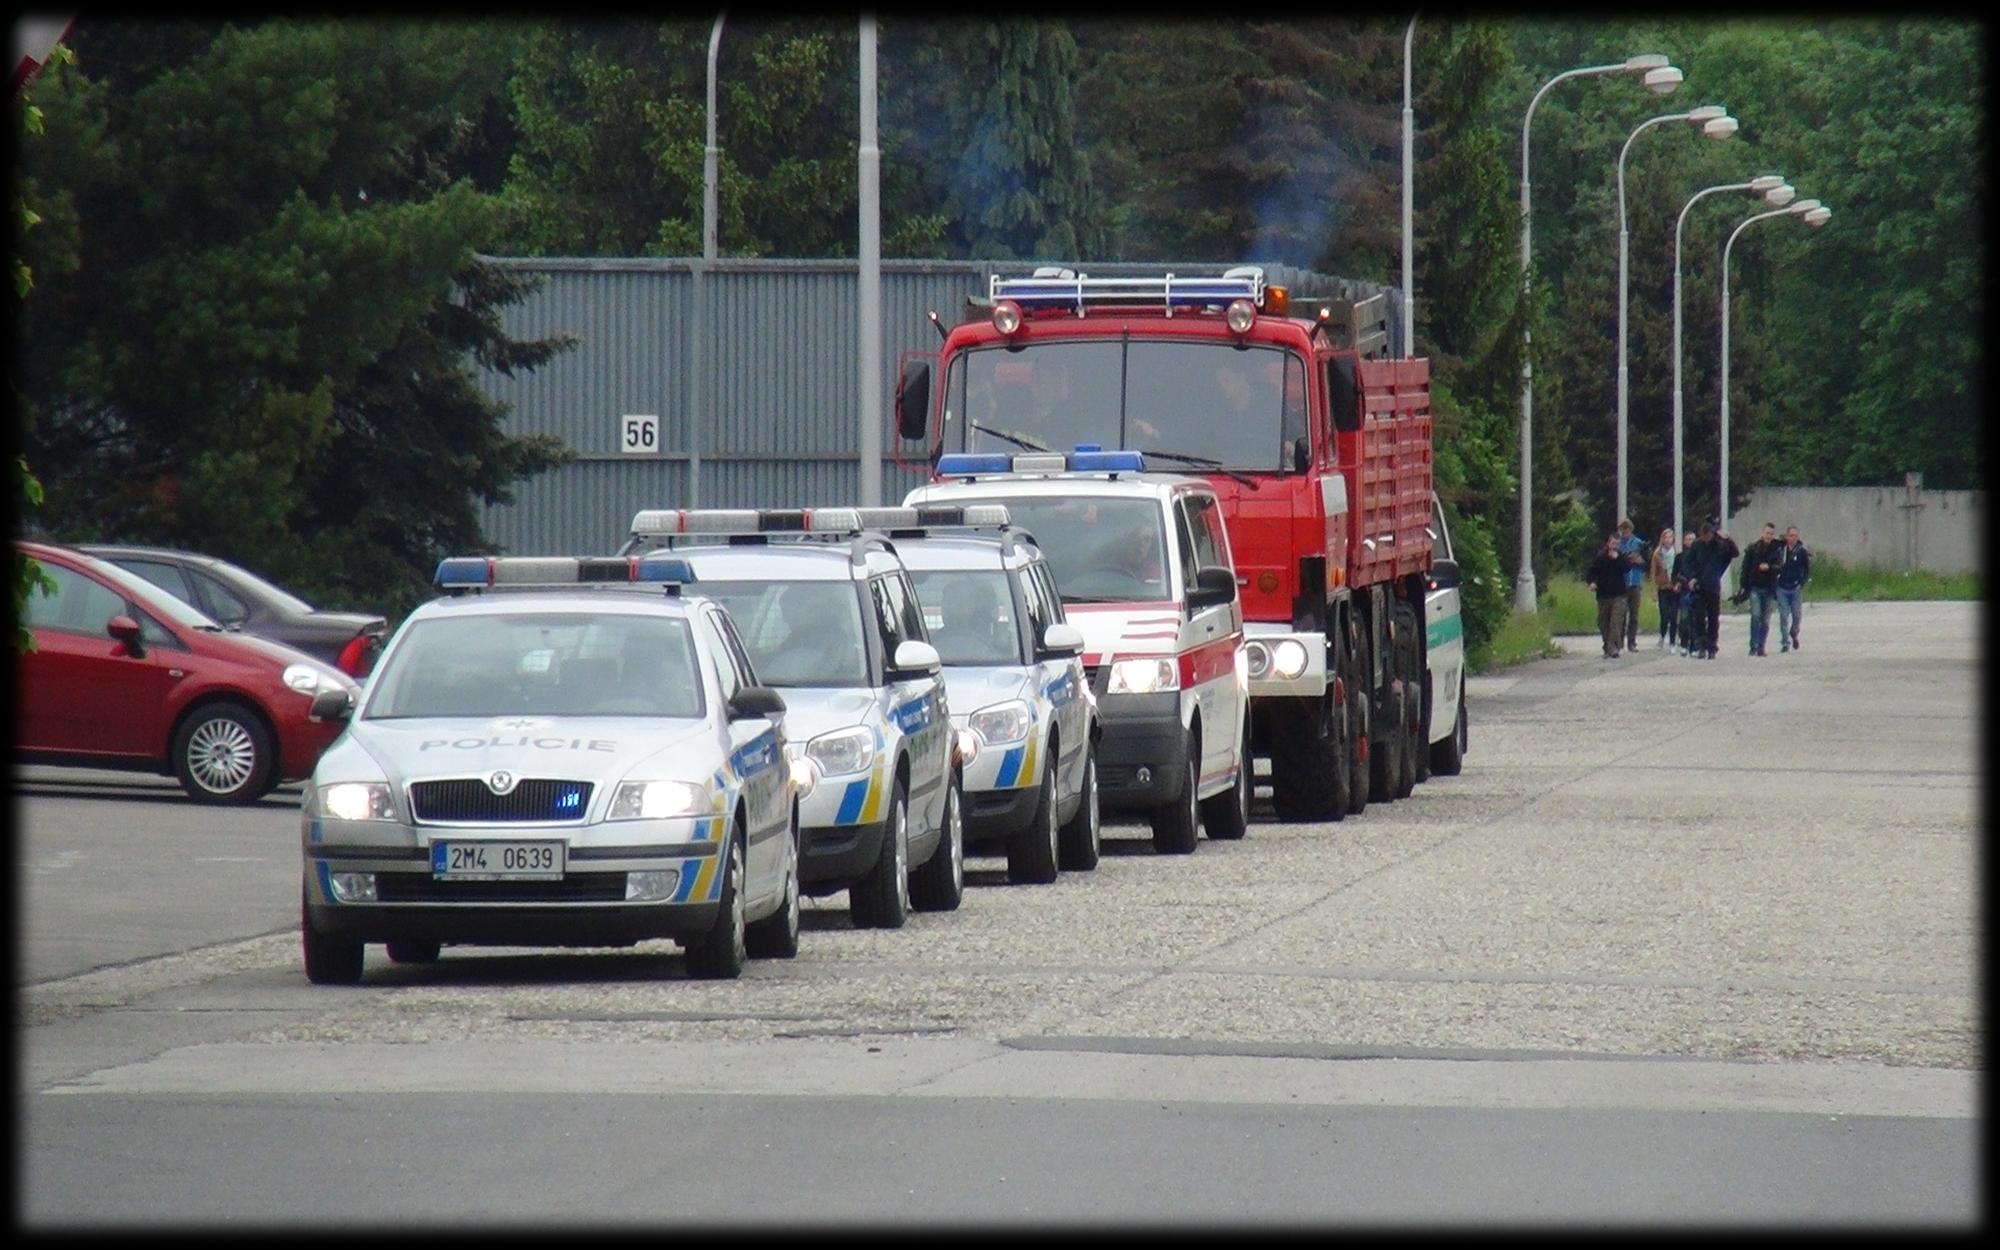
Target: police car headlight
(1144,677)
(843,751)
(656,800)
(1000,724)
(1289,658)
(357,800)
(310,678)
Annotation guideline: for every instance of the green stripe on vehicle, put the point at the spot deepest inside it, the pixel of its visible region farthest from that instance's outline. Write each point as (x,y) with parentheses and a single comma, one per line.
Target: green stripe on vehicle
(1439,632)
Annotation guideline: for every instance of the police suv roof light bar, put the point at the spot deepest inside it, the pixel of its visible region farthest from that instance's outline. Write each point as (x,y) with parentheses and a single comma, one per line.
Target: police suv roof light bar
(1082,290)
(672,522)
(458,573)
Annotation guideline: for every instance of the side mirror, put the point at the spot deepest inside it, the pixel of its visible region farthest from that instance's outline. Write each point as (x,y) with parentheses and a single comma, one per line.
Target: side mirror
(913,401)
(125,630)
(1212,587)
(1345,396)
(752,701)
(331,705)
(1302,459)
(1444,574)
(914,658)
(1061,638)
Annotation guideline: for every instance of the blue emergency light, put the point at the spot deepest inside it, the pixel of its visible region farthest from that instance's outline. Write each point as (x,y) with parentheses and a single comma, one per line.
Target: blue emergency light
(463,571)
(965,464)
(1081,461)
(458,572)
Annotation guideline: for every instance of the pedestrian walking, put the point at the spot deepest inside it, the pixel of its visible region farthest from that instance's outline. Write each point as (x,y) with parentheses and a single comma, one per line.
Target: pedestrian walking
(1712,553)
(1607,576)
(1633,550)
(1794,571)
(1661,574)
(1760,578)
(1684,594)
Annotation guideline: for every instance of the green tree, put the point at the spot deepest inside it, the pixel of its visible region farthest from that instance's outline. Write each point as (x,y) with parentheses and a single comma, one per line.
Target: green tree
(270,223)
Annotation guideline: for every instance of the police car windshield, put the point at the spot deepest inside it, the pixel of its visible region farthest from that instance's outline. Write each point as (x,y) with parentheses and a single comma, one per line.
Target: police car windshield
(969,614)
(1238,407)
(798,633)
(532,664)
(1100,550)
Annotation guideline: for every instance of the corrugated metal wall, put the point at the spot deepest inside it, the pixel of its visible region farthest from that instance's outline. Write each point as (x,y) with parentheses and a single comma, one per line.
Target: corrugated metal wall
(783,402)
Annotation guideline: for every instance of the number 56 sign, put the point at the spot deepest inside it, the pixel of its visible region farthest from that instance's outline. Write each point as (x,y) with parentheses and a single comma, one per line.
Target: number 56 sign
(639,436)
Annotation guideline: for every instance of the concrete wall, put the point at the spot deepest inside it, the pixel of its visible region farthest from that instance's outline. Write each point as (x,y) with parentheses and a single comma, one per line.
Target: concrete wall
(1885,526)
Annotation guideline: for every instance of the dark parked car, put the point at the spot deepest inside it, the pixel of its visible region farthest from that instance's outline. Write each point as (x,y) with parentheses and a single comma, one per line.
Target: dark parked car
(233,596)
(124,675)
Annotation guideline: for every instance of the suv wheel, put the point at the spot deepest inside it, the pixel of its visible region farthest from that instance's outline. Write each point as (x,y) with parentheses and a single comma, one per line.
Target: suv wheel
(1032,854)
(881,900)
(1226,817)
(1176,825)
(1082,839)
(776,936)
(940,884)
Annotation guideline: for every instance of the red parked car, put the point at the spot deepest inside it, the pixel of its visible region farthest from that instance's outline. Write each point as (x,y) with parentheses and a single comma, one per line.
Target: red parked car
(124,675)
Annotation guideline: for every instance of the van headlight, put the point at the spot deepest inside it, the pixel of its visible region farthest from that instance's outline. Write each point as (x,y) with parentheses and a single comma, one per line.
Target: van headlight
(843,751)
(357,800)
(656,800)
(1000,724)
(1144,676)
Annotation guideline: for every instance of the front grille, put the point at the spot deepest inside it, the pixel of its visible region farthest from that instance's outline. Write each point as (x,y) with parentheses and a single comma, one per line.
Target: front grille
(578,887)
(471,801)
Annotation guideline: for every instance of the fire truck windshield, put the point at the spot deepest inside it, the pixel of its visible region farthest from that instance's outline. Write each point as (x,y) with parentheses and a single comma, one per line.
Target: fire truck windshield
(1242,407)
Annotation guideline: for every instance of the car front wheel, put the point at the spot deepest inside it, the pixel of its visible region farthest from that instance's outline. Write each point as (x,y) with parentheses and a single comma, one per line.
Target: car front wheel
(222,753)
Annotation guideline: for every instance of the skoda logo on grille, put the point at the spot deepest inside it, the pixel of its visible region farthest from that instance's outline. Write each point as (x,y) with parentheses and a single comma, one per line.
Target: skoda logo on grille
(500,781)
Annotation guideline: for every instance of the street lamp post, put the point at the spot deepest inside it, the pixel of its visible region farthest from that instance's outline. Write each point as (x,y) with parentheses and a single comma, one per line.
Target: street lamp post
(711,158)
(1715,123)
(1409,151)
(869,273)
(1814,215)
(1660,78)
(1774,190)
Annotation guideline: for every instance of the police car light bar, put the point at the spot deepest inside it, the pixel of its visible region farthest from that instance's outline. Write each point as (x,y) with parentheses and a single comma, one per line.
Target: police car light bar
(959,464)
(660,522)
(481,571)
(1047,292)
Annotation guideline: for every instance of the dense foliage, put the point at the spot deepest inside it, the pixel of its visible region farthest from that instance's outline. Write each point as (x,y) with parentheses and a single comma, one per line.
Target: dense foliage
(260,299)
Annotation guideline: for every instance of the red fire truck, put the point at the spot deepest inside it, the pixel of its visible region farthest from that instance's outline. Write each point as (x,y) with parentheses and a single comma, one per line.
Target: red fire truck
(1318,446)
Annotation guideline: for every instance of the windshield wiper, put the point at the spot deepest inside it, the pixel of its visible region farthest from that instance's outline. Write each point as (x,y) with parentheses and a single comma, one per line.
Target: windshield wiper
(1205,463)
(1019,440)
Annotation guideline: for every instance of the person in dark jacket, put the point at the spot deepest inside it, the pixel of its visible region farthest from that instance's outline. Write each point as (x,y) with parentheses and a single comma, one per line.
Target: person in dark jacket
(1712,552)
(1760,578)
(1607,575)
(1684,596)
(1794,571)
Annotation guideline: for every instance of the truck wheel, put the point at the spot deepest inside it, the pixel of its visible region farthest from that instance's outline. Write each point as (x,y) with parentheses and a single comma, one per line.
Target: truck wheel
(1176,825)
(1082,840)
(1311,766)
(1412,735)
(1424,733)
(719,954)
(776,936)
(1385,748)
(1448,756)
(1226,817)
(881,900)
(1032,853)
(939,884)
(1360,748)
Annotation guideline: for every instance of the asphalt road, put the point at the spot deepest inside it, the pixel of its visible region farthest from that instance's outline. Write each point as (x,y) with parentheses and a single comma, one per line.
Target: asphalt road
(1687,942)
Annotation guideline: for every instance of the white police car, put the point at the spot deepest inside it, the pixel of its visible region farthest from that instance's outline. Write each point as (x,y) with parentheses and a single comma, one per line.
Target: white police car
(828,616)
(1444,716)
(1143,567)
(1014,670)
(547,762)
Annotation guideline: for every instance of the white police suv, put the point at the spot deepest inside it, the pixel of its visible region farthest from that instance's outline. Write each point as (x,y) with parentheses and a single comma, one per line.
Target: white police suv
(563,751)
(828,616)
(1014,670)
(1444,658)
(1143,567)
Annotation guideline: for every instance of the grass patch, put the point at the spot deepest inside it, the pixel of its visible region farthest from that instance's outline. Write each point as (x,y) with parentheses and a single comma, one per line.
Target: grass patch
(1832,580)
(1523,636)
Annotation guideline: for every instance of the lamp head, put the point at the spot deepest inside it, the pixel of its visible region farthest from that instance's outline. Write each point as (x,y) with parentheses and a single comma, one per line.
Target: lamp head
(1720,128)
(1817,217)
(1764,184)
(1662,81)
(1645,61)
(1707,113)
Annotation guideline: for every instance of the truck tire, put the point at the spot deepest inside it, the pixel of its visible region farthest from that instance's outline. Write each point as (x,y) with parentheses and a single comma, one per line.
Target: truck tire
(1176,825)
(1448,756)
(1412,739)
(1226,817)
(1361,744)
(1311,767)
(1424,733)
(1385,747)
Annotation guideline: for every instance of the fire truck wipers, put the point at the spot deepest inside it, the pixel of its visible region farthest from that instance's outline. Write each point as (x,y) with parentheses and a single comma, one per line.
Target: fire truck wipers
(1022,441)
(1204,462)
